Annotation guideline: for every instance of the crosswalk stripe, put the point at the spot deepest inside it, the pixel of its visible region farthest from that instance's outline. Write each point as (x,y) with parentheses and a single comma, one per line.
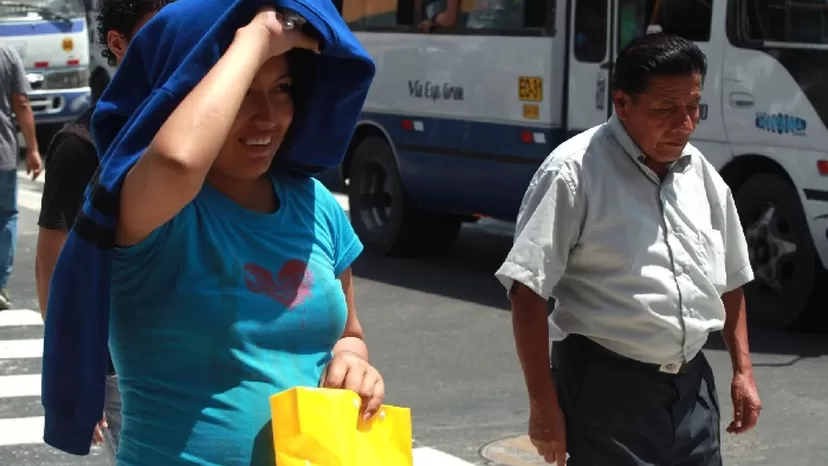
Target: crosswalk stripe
(19,385)
(21,349)
(28,198)
(430,457)
(21,415)
(20,317)
(21,431)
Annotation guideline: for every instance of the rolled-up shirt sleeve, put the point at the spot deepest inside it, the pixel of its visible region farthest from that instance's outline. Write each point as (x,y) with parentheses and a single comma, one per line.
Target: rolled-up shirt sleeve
(548,227)
(737,260)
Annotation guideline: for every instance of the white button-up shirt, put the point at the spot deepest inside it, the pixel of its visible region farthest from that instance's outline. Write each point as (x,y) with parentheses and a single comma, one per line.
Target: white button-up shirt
(635,263)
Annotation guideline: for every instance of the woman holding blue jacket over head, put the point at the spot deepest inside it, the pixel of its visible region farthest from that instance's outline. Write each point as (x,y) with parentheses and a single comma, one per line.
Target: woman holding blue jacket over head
(230,281)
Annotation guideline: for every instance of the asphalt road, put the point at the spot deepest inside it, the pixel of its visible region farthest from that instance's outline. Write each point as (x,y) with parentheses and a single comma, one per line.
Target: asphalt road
(440,332)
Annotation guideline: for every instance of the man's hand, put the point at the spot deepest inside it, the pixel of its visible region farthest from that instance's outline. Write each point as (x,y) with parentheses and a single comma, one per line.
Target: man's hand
(746,403)
(34,164)
(547,430)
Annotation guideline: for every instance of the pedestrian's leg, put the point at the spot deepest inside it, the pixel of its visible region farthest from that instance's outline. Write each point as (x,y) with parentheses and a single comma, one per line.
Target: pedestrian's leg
(112,412)
(615,415)
(697,414)
(8,234)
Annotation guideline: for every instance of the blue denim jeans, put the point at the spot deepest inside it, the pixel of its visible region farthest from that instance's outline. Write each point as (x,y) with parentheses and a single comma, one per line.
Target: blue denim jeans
(8,223)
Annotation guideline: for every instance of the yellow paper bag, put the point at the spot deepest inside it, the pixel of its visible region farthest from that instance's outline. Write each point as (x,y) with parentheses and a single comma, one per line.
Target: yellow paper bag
(322,427)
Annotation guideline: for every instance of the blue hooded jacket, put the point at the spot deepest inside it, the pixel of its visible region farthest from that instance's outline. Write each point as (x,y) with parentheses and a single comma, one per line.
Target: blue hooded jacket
(165,61)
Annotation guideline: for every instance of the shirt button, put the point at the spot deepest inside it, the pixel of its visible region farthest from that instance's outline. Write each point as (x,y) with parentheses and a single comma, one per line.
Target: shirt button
(679,270)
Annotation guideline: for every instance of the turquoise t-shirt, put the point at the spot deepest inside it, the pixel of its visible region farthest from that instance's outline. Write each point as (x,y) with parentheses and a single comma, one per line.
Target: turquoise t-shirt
(216,311)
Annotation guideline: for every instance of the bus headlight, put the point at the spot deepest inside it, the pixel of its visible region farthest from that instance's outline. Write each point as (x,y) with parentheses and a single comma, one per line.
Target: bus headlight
(68,79)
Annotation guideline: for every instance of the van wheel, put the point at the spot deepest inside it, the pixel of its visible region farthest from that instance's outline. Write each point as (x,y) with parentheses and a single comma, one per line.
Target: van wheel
(382,213)
(785,291)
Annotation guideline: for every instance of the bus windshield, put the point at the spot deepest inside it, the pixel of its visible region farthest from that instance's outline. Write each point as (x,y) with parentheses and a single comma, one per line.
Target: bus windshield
(50,10)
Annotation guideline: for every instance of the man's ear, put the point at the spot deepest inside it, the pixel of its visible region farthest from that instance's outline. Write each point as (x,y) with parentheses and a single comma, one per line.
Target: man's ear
(622,103)
(116,43)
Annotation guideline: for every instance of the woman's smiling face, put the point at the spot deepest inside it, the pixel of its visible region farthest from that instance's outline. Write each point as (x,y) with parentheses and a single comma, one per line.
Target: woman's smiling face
(261,123)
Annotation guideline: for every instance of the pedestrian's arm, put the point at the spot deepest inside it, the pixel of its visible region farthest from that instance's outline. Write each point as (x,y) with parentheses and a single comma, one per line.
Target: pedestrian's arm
(49,244)
(20,103)
(70,164)
(548,227)
(352,339)
(172,171)
(739,273)
(735,332)
(347,248)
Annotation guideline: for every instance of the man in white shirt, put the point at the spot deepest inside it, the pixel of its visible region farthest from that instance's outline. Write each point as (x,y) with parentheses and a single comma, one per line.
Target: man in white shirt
(637,238)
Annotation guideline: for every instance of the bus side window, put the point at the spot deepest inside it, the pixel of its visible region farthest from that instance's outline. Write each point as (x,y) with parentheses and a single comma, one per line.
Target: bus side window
(405,13)
(367,14)
(506,15)
(491,17)
(690,19)
(591,31)
(803,22)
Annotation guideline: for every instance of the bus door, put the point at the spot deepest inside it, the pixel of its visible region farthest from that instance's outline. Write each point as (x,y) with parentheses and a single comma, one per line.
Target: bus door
(591,54)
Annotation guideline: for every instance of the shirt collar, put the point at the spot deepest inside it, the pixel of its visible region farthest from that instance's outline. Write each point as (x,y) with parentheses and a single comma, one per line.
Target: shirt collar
(634,151)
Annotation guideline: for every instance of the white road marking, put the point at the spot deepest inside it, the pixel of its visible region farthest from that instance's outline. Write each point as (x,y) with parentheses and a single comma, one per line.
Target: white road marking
(20,317)
(342,200)
(21,431)
(21,174)
(19,385)
(28,198)
(21,349)
(425,456)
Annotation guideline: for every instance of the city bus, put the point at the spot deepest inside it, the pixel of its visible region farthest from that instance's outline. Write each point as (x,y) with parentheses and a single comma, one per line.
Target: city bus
(460,117)
(52,38)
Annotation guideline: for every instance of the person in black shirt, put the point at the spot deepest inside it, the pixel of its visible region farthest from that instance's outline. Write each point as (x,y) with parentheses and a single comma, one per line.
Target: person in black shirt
(71,163)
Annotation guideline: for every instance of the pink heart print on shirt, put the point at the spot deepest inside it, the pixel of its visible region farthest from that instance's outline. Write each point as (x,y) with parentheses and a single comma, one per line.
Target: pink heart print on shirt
(291,287)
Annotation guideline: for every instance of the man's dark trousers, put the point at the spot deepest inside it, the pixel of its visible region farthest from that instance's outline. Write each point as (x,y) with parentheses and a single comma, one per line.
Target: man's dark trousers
(621,412)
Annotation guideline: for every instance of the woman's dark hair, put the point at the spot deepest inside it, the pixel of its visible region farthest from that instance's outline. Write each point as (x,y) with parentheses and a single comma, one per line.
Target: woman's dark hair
(122,16)
(656,55)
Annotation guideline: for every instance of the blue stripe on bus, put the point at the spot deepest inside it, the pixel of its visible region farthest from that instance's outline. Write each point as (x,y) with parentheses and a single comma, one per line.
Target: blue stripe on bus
(465,166)
(465,138)
(36,28)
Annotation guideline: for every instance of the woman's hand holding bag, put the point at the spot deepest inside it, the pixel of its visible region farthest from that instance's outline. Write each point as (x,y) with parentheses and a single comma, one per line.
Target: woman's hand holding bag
(349,371)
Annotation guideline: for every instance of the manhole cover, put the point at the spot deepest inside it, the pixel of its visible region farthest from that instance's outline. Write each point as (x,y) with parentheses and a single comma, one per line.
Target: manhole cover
(512,451)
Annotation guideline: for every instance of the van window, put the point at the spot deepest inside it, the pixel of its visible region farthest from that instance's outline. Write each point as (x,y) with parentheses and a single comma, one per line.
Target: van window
(590,34)
(803,22)
(690,19)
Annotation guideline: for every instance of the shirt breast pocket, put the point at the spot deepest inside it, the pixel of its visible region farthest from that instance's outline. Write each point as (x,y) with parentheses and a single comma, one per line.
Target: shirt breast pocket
(713,255)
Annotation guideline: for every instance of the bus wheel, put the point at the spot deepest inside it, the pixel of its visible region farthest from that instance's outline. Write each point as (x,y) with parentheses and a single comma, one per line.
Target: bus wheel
(785,291)
(382,213)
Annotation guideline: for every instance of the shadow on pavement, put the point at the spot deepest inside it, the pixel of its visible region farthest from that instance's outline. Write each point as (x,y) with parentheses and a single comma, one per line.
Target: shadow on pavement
(796,345)
(467,274)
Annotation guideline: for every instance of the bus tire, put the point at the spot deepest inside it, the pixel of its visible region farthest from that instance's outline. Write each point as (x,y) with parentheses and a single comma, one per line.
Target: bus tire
(382,213)
(786,291)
